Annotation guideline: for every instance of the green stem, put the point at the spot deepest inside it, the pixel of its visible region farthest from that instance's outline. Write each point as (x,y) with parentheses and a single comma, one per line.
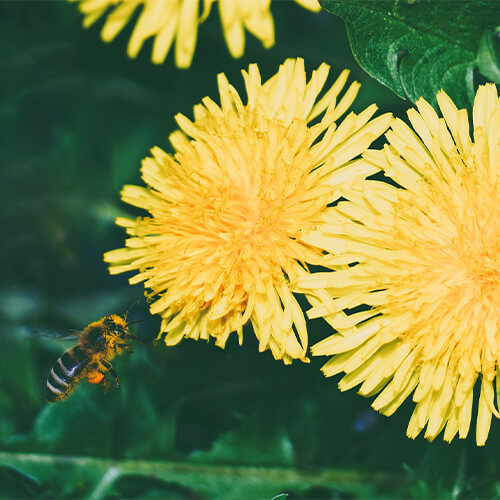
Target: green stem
(220,481)
(112,474)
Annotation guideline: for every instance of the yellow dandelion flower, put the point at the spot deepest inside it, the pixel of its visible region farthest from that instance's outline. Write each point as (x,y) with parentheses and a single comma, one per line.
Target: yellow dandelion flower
(223,241)
(256,17)
(169,20)
(425,258)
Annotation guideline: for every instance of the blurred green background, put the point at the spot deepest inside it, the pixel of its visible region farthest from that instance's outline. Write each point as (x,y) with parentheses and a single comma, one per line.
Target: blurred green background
(191,421)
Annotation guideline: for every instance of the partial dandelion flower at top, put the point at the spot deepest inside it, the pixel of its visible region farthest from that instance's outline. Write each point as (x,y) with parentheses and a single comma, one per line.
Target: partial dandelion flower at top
(425,258)
(229,210)
(169,21)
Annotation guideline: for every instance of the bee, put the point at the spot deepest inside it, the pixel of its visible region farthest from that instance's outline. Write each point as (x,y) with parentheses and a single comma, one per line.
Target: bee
(98,343)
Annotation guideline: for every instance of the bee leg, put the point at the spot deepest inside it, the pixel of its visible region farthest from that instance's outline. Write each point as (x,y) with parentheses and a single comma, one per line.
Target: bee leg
(109,367)
(105,383)
(96,374)
(113,373)
(126,347)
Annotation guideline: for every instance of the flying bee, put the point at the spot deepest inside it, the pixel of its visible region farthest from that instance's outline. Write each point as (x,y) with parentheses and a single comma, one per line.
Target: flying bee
(99,343)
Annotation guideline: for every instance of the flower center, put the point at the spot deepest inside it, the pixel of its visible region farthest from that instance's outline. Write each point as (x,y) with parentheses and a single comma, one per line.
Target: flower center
(254,198)
(484,270)
(452,283)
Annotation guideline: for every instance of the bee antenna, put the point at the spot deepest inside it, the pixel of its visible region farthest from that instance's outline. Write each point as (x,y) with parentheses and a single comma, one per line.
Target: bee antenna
(130,308)
(135,337)
(135,321)
(131,334)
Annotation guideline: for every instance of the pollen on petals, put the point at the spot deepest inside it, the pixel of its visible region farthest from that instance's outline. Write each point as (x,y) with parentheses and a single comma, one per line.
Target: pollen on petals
(230,211)
(423,262)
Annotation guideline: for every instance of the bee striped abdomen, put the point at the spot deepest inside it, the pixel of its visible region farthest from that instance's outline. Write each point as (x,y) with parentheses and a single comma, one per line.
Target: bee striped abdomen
(65,374)
(98,343)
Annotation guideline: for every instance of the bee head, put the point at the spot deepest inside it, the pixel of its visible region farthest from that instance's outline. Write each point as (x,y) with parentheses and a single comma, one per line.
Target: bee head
(117,326)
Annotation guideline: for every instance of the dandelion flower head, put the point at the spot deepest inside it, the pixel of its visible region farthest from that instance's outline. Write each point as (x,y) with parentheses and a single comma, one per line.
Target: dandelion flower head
(223,242)
(425,257)
(167,21)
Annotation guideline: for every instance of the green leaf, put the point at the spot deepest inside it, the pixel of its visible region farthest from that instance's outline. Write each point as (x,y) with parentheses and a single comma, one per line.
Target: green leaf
(417,48)
(16,484)
(19,386)
(94,478)
(281,496)
(487,57)
(256,441)
(76,425)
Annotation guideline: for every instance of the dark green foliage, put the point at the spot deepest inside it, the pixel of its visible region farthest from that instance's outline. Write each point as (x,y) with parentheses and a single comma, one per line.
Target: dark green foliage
(488,54)
(418,47)
(192,421)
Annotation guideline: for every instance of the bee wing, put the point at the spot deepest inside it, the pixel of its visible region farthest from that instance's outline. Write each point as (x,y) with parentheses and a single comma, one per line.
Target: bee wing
(73,335)
(49,333)
(70,337)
